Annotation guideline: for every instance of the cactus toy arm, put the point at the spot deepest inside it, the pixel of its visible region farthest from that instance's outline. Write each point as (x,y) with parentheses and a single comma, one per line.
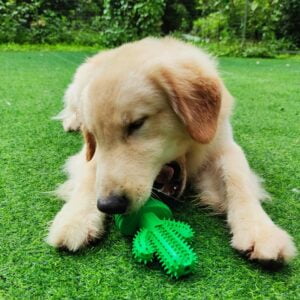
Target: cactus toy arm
(142,249)
(160,236)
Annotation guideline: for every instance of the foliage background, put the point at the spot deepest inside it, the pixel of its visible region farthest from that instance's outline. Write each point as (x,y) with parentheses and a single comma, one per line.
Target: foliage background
(247,27)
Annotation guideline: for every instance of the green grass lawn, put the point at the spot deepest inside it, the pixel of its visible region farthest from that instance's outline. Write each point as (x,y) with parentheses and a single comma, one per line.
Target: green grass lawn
(33,149)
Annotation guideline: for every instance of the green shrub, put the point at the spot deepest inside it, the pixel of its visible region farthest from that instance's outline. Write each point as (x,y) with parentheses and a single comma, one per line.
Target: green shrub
(110,22)
(248,49)
(41,21)
(212,27)
(266,20)
(127,20)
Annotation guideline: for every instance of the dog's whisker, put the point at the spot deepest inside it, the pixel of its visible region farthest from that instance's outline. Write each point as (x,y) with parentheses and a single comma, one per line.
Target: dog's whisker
(169,196)
(156,195)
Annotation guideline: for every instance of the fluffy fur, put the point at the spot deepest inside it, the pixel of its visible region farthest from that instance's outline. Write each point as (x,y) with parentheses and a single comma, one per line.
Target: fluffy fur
(186,108)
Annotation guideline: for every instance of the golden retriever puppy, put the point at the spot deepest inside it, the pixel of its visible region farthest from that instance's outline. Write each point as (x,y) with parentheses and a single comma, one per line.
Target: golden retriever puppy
(140,107)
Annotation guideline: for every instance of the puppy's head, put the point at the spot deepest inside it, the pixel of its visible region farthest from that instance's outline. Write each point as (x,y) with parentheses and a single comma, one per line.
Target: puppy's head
(136,122)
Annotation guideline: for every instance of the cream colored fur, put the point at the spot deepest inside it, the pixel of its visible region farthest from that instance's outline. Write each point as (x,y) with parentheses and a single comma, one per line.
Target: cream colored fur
(119,86)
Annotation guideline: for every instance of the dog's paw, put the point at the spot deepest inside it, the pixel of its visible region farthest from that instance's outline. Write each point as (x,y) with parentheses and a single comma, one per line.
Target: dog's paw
(70,120)
(75,231)
(265,242)
(71,123)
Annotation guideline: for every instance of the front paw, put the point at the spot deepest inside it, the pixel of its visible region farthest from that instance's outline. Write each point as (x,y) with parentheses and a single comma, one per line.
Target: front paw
(264,242)
(73,231)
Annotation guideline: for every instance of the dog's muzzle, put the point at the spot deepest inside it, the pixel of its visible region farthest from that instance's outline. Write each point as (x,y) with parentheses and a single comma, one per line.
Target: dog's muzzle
(168,185)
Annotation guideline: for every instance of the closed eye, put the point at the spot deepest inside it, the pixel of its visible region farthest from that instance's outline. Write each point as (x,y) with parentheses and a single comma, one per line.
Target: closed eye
(136,125)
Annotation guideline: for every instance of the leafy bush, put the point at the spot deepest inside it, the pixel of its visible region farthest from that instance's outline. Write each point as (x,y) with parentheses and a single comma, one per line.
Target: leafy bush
(127,20)
(214,26)
(41,21)
(248,49)
(267,25)
(109,22)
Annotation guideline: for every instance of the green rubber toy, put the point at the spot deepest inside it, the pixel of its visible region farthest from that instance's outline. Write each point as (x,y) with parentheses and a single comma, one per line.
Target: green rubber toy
(160,236)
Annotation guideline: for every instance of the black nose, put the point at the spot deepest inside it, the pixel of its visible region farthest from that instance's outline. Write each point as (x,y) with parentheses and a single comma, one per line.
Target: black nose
(113,204)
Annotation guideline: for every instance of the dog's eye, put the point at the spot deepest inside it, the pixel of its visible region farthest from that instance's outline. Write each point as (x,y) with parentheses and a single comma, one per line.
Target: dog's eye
(135,125)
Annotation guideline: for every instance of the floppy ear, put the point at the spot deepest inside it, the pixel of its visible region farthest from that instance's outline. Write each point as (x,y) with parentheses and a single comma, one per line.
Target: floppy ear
(196,99)
(90,143)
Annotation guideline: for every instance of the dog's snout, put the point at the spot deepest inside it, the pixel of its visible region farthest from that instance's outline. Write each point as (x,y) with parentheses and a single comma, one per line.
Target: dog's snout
(114,204)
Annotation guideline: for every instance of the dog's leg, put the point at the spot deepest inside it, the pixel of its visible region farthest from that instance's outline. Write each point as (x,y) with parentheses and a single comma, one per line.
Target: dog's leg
(252,229)
(79,221)
(210,188)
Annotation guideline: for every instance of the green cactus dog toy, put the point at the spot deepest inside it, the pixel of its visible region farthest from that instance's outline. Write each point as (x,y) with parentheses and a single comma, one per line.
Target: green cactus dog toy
(160,236)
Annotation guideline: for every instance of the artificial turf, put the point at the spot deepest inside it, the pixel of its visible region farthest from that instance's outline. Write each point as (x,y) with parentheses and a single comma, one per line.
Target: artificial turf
(33,149)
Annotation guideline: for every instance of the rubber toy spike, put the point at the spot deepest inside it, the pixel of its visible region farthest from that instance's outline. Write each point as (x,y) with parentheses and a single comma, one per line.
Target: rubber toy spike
(156,234)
